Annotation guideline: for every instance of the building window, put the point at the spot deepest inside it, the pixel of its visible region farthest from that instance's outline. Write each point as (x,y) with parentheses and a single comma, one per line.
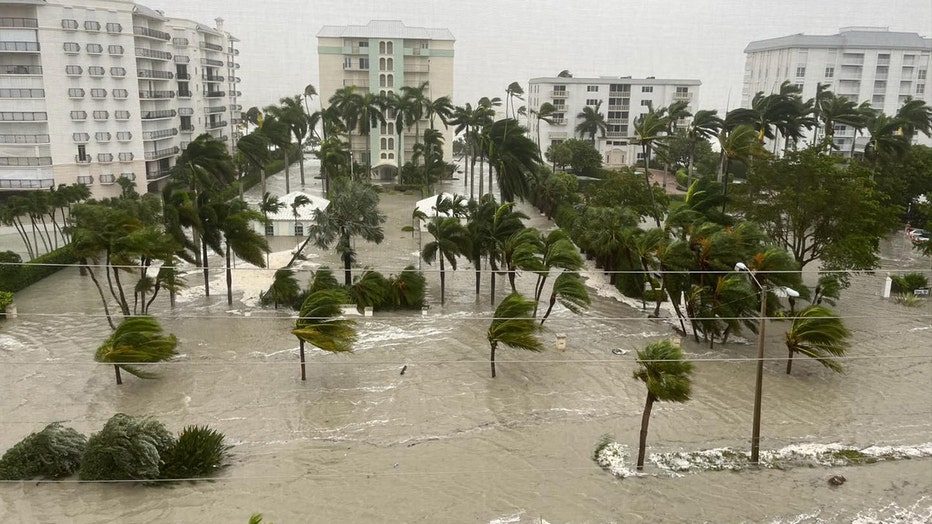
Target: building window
(592,89)
(107,179)
(647,89)
(72,47)
(75,92)
(80,137)
(120,93)
(800,71)
(118,72)
(96,71)
(363,63)
(124,136)
(391,80)
(391,64)
(94,49)
(647,103)
(91,25)
(73,70)
(880,85)
(98,93)
(101,115)
(82,153)
(381,80)
(592,102)
(920,89)
(125,157)
(382,63)
(384,143)
(79,115)
(299,229)
(128,176)
(22,93)
(921,75)
(114,27)
(115,50)
(121,115)
(363,43)
(86,180)
(102,136)
(382,48)
(829,72)
(390,48)
(269,229)
(69,24)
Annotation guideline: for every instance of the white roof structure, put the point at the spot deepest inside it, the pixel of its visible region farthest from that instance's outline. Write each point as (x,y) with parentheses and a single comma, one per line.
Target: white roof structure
(305,213)
(428,205)
(385,29)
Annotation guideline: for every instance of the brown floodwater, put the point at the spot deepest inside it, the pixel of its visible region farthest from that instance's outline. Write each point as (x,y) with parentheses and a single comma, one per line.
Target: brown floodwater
(359,442)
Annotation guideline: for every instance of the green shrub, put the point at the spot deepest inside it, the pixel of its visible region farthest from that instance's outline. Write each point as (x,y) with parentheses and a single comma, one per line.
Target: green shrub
(10,269)
(198,452)
(407,290)
(52,453)
(907,299)
(37,269)
(681,178)
(566,217)
(126,448)
(6,298)
(909,282)
(369,290)
(651,295)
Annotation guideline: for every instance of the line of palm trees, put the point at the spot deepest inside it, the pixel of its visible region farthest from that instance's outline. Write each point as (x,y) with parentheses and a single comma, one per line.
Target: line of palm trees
(42,219)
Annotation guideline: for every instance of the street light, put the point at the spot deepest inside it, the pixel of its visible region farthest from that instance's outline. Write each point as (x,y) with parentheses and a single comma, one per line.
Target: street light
(758,387)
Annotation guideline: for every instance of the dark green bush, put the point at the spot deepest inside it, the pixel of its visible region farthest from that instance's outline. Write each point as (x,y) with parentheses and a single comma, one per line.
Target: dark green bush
(909,282)
(407,290)
(370,290)
(10,269)
(566,217)
(6,298)
(126,448)
(35,270)
(198,452)
(52,453)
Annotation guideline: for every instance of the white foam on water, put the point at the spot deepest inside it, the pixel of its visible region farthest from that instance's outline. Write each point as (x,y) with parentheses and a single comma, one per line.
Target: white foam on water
(508,519)
(613,457)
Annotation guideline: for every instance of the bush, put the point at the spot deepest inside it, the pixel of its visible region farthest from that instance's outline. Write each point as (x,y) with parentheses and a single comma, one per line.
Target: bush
(370,289)
(407,290)
(35,270)
(198,452)
(126,448)
(909,282)
(566,217)
(52,453)
(10,269)
(6,298)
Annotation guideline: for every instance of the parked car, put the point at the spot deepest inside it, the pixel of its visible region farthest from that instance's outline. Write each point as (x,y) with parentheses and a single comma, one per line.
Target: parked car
(918,236)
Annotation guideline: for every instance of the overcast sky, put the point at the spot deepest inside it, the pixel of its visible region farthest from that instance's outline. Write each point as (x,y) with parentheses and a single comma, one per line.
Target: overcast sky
(502,41)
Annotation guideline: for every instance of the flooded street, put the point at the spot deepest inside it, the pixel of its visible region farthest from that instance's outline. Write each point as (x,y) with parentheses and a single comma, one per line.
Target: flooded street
(359,442)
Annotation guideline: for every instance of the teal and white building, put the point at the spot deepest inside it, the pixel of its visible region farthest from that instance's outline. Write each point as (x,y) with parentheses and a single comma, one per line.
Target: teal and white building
(382,57)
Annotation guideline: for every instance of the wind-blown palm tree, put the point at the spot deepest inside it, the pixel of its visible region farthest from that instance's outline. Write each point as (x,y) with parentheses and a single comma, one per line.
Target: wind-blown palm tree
(544,113)
(371,114)
(234,219)
(667,376)
(299,202)
(320,325)
(513,326)
(915,116)
(592,122)
(885,139)
(558,252)
(514,156)
(570,291)
(704,125)
(513,91)
(817,333)
(137,340)
(450,240)
(737,144)
(648,128)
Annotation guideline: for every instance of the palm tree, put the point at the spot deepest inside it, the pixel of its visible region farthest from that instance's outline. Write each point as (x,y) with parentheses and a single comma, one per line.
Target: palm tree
(450,240)
(353,212)
(737,144)
(284,288)
(558,252)
(817,333)
(319,324)
(234,221)
(137,340)
(297,119)
(648,128)
(514,90)
(544,113)
(886,138)
(704,125)
(309,92)
(299,202)
(667,376)
(570,291)
(514,156)
(513,326)
(592,122)
(270,205)
(334,158)
(371,114)
(416,97)
(914,116)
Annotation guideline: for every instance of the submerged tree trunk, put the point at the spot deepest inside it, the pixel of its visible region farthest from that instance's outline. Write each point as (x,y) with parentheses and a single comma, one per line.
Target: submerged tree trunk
(478,263)
(645,420)
(116,370)
(442,282)
(789,362)
(287,173)
(229,278)
(553,300)
(492,358)
(301,350)
(301,164)
(206,267)
(101,292)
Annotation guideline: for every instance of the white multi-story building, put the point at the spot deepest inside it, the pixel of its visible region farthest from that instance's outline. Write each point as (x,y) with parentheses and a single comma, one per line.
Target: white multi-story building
(620,99)
(382,57)
(107,89)
(863,64)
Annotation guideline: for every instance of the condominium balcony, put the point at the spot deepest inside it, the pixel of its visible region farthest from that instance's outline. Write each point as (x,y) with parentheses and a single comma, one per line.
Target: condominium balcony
(615,134)
(623,107)
(145,52)
(212,47)
(236,93)
(184,93)
(181,59)
(105,158)
(216,124)
(212,78)
(215,94)
(559,94)
(162,153)
(151,33)
(180,42)
(27,183)
(211,62)
(217,109)
(616,121)
(156,115)
(236,121)
(682,96)
(558,122)
(19,47)
(235,52)
(233,65)
(151,73)
(158,175)
(156,95)
(183,76)
(82,159)
(235,79)
(160,134)
(18,22)
(24,139)
(9,69)
(186,129)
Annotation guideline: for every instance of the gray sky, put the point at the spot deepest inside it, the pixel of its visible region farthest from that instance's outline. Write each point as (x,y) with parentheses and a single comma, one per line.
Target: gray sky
(499,42)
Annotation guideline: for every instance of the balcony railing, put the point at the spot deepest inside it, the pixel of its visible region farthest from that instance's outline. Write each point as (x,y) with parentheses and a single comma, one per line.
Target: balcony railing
(24,139)
(158,175)
(145,52)
(236,93)
(187,128)
(212,47)
(211,62)
(558,121)
(614,134)
(8,69)
(619,108)
(218,109)
(183,76)
(236,107)
(155,115)
(181,59)
(184,93)
(161,133)
(151,73)
(212,78)
(151,33)
(27,47)
(236,121)
(105,158)
(180,42)
(18,22)
(86,159)
(617,121)
(27,183)
(156,95)
(162,153)
(216,124)
(559,94)
(235,79)
(215,94)
(682,96)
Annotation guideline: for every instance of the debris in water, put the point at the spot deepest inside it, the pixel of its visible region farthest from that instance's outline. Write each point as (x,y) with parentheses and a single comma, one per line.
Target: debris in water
(837,480)
(619,351)
(403,369)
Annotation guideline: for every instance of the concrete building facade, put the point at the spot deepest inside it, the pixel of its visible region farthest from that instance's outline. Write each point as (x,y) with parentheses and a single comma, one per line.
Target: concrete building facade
(620,99)
(863,64)
(382,57)
(107,89)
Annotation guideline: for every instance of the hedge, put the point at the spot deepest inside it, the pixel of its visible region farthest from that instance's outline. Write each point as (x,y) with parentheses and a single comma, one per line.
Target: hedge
(35,270)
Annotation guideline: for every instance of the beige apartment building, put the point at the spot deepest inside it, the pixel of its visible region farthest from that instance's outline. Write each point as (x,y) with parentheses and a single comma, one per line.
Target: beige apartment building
(382,57)
(105,89)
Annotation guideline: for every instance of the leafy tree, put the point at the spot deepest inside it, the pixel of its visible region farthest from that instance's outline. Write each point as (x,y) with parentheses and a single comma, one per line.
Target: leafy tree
(451,239)
(513,326)
(667,376)
(557,252)
(352,212)
(137,340)
(817,211)
(817,333)
(584,159)
(625,189)
(320,325)
(52,453)
(127,448)
(199,452)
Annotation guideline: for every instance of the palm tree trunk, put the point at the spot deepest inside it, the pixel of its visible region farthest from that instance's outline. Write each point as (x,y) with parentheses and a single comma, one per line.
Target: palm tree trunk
(229,278)
(789,362)
(492,357)
(22,233)
(301,164)
(116,371)
(100,291)
(262,178)
(645,420)
(481,175)
(205,266)
(650,190)
(442,282)
(287,172)
(478,263)
(301,351)
(492,280)
(553,300)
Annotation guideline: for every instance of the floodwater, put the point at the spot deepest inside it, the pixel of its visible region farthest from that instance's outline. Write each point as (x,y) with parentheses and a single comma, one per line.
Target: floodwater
(359,442)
